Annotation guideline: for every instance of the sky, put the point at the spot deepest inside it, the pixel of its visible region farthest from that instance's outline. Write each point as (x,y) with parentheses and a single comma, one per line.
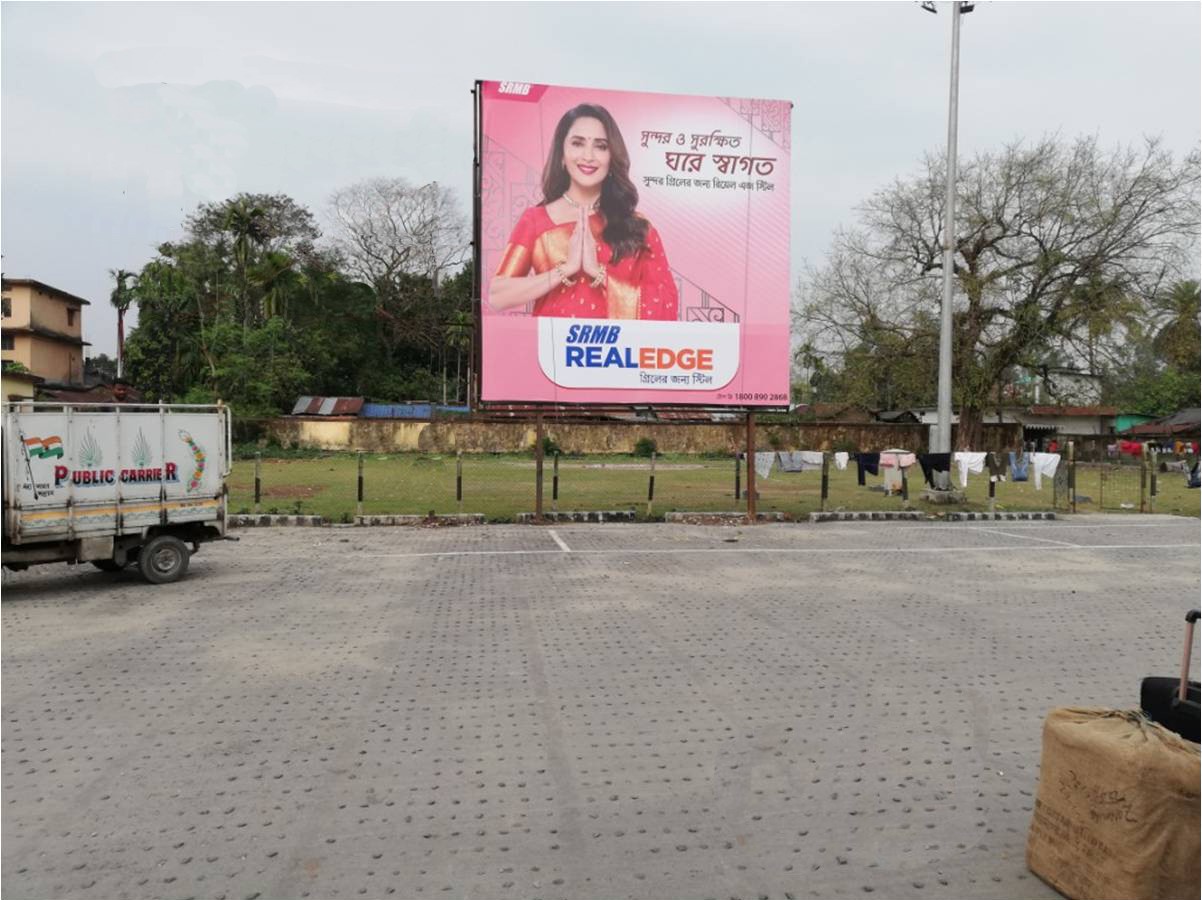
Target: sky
(117,120)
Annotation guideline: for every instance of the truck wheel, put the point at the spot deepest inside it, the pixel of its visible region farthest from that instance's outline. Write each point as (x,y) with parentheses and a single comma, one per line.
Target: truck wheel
(107,565)
(163,559)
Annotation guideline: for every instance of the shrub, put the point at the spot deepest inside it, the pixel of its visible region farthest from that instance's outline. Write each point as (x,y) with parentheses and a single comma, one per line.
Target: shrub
(550,448)
(644,446)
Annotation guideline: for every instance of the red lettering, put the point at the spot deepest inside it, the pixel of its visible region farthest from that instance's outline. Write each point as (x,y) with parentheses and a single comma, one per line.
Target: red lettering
(664,358)
(687,359)
(170,471)
(646,357)
(60,475)
(705,359)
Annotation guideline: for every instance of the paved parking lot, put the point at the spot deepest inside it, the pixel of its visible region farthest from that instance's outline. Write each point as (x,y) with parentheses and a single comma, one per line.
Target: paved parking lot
(579,711)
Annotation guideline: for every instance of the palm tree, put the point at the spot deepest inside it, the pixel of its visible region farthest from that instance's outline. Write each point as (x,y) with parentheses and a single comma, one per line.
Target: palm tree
(249,226)
(1177,339)
(122,298)
(274,276)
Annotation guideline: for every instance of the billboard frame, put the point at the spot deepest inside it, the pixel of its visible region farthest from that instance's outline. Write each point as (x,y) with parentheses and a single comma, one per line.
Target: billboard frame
(539,409)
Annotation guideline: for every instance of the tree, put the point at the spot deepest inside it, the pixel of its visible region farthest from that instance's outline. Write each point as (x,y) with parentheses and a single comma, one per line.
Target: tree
(1178,335)
(402,241)
(1054,244)
(121,298)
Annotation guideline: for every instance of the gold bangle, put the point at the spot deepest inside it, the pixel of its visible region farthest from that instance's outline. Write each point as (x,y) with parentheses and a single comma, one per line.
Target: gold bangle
(600,279)
(563,279)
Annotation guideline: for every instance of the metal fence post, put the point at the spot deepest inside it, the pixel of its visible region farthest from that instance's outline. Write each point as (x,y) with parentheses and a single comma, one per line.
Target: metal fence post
(258,480)
(1072,478)
(555,483)
(1143,478)
(459,480)
(538,466)
(751,498)
(359,503)
(738,475)
(1152,481)
(826,481)
(651,485)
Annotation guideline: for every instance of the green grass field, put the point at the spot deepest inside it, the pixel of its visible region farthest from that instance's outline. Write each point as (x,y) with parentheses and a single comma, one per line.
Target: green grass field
(501,486)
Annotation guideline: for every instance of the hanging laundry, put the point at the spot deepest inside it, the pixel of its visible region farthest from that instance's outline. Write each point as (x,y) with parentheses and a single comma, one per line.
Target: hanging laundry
(841,459)
(1044,464)
(1018,466)
(810,460)
(1112,450)
(1131,448)
(763,463)
(996,464)
(789,460)
(932,463)
(969,462)
(867,462)
(898,460)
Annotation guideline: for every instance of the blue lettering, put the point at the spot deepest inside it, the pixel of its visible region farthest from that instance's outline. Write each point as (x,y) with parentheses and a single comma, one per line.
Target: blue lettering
(592,357)
(573,334)
(614,331)
(614,358)
(575,354)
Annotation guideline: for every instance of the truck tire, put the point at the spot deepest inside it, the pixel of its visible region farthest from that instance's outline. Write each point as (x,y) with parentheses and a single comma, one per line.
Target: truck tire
(107,565)
(163,559)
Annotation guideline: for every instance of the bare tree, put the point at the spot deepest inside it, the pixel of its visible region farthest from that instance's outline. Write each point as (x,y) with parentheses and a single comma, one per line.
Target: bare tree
(1053,242)
(385,228)
(402,241)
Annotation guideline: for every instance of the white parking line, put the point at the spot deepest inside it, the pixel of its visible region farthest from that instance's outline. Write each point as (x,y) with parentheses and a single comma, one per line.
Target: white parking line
(555,537)
(1028,537)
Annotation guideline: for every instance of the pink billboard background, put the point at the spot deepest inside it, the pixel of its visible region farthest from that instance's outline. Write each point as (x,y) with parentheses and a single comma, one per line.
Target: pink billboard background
(728,247)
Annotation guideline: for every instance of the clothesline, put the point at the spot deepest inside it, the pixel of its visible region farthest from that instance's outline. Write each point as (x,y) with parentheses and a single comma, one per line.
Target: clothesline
(1016,466)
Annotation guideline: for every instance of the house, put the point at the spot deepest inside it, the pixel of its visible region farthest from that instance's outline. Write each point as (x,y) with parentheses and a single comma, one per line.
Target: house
(1183,425)
(1037,421)
(43,330)
(18,384)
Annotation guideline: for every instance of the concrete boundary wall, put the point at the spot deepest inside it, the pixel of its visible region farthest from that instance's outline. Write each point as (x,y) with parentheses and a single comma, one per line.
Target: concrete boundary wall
(448,436)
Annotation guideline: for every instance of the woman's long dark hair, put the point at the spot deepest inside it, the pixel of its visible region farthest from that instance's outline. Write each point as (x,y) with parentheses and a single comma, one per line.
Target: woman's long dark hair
(624,231)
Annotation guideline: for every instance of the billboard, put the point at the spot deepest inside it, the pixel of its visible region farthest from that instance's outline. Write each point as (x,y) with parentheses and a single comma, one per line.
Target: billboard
(633,247)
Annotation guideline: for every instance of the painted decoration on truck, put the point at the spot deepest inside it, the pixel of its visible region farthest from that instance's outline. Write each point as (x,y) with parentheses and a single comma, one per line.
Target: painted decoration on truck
(198,457)
(90,454)
(44,448)
(141,450)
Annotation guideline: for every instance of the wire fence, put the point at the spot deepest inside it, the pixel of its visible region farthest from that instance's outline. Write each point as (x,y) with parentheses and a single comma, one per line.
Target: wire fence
(505,486)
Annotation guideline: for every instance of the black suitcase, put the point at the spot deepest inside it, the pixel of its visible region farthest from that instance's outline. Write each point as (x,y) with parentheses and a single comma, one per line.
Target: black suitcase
(1174,702)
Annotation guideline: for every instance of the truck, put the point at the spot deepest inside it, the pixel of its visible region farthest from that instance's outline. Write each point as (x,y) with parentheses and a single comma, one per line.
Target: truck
(114,485)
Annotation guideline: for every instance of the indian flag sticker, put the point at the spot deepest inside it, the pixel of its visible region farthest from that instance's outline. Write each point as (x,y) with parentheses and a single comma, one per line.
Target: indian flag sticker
(44,448)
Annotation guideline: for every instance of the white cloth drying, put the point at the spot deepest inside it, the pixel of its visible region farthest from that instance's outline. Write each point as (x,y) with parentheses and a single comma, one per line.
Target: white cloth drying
(811,460)
(763,463)
(1044,464)
(969,462)
(841,459)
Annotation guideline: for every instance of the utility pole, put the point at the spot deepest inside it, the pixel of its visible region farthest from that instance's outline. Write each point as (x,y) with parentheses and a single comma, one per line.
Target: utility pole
(943,428)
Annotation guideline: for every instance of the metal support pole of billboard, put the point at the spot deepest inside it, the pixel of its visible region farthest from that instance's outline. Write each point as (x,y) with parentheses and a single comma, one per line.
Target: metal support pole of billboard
(751,466)
(538,466)
(943,430)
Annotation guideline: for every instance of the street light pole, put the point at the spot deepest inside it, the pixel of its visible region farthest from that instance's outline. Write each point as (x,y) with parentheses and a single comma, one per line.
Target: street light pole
(943,427)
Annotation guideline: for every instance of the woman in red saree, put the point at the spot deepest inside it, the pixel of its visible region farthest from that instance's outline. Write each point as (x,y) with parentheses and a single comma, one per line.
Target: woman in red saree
(584,252)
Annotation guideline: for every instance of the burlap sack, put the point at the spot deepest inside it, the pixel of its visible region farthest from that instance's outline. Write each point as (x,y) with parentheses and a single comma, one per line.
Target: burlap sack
(1116,817)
